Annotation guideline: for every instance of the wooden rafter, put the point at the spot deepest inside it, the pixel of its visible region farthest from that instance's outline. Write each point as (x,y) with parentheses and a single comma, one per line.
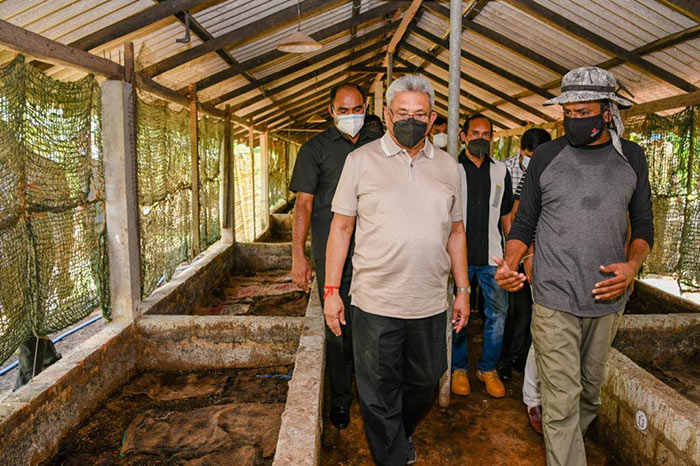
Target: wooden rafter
(572,28)
(476,8)
(486,87)
(501,40)
(309,62)
(689,8)
(269,22)
(408,16)
(325,33)
(502,73)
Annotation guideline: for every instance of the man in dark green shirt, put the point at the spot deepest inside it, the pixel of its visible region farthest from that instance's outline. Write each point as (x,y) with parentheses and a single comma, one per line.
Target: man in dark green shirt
(316,173)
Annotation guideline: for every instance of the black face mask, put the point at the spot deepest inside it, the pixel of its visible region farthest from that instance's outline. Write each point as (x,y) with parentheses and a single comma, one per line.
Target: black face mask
(479,147)
(410,132)
(583,131)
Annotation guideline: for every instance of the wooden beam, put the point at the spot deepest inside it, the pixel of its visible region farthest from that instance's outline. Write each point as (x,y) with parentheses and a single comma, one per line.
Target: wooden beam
(501,40)
(272,55)
(228,231)
(129,63)
(486,87)
(28,43)
(667,103)
(689,8)
(251,145)
(267,23)
(377,69)
(403,26)
(476,8)
(194,153)
(134,22)
(521,129)
(571,27)
(505,74)
(306,63)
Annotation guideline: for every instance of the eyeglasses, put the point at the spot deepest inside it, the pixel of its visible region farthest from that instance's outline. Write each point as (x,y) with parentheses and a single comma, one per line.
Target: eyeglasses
(421,116)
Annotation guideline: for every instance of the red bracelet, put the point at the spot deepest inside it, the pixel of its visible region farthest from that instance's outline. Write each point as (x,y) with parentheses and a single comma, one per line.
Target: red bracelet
(328,290)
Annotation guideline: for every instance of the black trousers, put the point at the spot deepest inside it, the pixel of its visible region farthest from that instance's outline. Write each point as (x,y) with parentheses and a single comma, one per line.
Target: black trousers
(516,335)
(339,362)
(398,365)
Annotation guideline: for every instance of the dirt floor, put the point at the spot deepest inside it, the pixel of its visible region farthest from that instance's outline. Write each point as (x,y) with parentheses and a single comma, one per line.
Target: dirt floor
(195,419)
(474,430)
(269,293)
(680,372)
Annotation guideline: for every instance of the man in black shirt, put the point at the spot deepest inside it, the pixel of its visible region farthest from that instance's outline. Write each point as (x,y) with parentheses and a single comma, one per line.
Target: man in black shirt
(316,173)
(487,201)
(578,194)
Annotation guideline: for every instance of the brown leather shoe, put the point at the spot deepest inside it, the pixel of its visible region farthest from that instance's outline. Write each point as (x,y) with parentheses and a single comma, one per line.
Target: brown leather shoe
(494,386)
(534,415)
(460,382)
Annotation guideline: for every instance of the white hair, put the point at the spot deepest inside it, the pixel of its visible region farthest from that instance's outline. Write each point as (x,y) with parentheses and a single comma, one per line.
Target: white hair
(413,83)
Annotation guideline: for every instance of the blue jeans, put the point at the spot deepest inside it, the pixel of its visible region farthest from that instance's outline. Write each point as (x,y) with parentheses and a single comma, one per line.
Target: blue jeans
(495,312)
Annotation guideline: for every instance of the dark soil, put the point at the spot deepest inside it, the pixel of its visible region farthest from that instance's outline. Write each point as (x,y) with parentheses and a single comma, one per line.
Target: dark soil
(475,429)
(269,293)
(99,439)
(680,372)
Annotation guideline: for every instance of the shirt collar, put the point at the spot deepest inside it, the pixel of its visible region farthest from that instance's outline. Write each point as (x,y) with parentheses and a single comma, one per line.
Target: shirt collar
(463,158)
(390,147)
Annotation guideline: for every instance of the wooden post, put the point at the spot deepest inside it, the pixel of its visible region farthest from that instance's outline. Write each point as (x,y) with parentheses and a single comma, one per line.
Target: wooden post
(194,150)
(251,144)
(129,67)
(379,99)
(121,198)
(228,230)
(265,176)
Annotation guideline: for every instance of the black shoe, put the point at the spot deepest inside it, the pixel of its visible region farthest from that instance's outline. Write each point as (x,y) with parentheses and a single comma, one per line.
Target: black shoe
(340,416)
(412,455)
(504,371)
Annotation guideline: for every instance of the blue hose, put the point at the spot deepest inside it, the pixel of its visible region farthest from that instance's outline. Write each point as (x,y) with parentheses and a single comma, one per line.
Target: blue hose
(55,340)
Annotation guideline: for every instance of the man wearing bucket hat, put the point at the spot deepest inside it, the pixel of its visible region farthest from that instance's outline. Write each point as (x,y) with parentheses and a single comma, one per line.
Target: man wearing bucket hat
(579,192)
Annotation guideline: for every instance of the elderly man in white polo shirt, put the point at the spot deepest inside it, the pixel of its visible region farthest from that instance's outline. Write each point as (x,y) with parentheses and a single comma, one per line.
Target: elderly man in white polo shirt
(402,194)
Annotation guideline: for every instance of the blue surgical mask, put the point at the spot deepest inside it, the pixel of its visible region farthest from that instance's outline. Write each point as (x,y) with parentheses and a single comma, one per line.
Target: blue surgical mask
(350,124)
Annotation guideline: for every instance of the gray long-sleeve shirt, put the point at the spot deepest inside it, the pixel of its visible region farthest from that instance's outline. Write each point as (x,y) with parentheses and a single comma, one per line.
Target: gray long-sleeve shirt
(577,200)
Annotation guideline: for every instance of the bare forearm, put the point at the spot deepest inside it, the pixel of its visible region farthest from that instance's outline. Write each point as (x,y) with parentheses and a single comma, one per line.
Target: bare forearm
(457,250)
(515,250)
(637,253)
(300,229)
(506,223)
(337,249)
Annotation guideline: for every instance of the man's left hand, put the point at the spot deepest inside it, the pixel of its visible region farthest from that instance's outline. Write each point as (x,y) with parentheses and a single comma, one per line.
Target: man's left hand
(460,312)
(615,286)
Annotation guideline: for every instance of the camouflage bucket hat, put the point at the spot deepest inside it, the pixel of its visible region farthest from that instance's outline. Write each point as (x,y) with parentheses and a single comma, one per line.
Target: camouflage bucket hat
(586,84)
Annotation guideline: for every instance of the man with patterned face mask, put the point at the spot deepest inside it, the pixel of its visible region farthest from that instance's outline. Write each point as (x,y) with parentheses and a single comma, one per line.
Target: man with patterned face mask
(487,201)
(579,192)
(316,173)
(401,195)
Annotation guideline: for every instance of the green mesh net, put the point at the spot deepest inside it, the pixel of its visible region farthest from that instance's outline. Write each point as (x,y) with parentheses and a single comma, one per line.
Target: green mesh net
(278,181)
(165,191)
(211,146)
(244,193)
(53,256)
(672,146)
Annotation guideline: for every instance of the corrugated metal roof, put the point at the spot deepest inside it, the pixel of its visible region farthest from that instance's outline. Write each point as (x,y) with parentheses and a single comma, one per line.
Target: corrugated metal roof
(627,23)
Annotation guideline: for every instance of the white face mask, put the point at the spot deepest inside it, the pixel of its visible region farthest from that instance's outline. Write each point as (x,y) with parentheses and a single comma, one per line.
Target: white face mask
(526,161)
(350,124)
(440,140)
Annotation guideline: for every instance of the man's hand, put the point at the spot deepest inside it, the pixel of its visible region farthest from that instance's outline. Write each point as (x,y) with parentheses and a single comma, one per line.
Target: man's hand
(334,312)
(507,278)
(615,286)
(301,272)
(460,312)
(527,264)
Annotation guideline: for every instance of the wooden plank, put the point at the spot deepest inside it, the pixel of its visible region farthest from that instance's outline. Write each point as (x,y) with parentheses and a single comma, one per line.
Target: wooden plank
(309,62)
(268,23)
(378,69)
(505,74)
(486,87)
(134,23)
(194,152)
(668,103)
(272,55)
(403,26)
(476,8)
(689,8)
(129,67)
(501,40)
(572,28)
(28,43)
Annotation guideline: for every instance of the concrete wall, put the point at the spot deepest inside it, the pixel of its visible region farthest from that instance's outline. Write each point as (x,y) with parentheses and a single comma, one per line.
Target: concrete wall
(191,283)
(299,441)
(35,419)
(216,342)
(648,299)
(250,257)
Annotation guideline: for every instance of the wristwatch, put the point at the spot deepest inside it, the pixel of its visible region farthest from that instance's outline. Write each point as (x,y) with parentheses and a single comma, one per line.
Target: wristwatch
(464,289)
